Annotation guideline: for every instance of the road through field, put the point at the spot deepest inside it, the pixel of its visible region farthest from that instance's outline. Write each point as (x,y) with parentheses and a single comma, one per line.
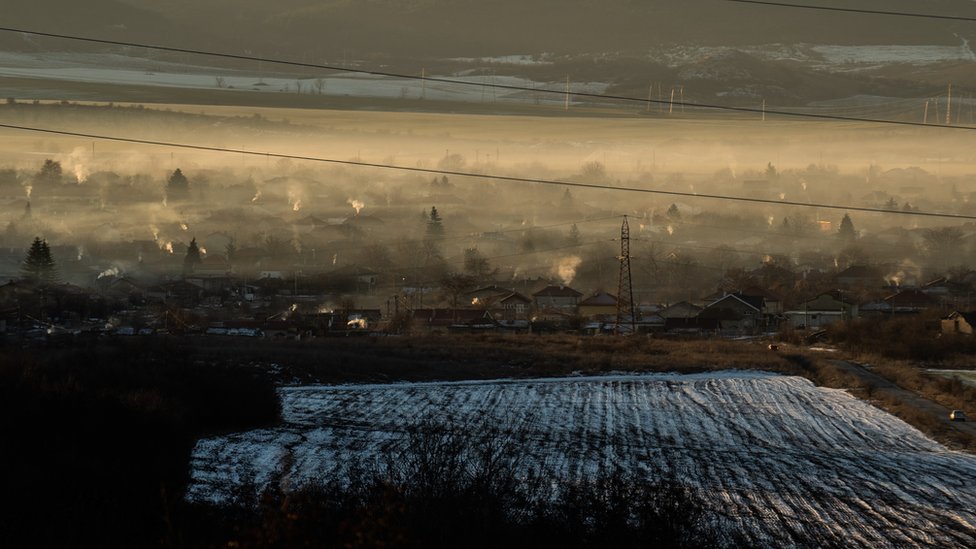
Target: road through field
(916,401)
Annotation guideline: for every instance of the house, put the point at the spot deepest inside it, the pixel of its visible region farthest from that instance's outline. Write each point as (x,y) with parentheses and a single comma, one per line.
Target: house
(556,302)
(513,307)
(211,283)
(823,310)
(959,322)
(691,326)
(178,291)
(487,296)
(910,300)
(451,319)
(353,278)
(956,293)
(367,224)
(735,313)
(774,276)
(599,306)
(120,287)
(859,276)
(682,309)
(771,303)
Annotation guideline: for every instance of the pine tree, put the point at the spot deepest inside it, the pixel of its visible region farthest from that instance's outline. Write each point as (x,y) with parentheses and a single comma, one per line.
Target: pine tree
(574,238)
(674,213)
(177,186)
(51,172)
(846,231)
(435,227)
(39,266)
(230,251)
(192,258)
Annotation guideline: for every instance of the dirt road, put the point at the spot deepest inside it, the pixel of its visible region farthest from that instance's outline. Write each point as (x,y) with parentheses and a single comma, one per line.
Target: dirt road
(883,385)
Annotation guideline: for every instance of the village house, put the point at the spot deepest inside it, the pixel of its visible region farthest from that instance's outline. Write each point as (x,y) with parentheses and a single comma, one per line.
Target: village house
(441,320)
(512,308)
(681,309)
(859,276)
(735,313)
(910,300)
(959,322)
(601,306)
(823,310)
(556,302)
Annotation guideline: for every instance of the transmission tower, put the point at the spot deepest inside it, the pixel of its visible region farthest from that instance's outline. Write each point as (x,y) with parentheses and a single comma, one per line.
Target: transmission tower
(625,288)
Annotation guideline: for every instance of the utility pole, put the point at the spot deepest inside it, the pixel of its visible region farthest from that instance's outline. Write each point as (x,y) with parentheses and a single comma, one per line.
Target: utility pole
(949,107)
(566,107)
(625,287)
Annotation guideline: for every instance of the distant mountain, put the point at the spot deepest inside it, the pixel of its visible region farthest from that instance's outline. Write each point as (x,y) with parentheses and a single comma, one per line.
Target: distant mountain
(637,46)
(451,28)
(108,19)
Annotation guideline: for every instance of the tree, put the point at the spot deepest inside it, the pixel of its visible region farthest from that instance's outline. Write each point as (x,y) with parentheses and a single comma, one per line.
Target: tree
(574,238)
(39,266)
(230,251)
(944,244)
(192,258)
(477,266)
(435,227)
(50,172)
(455,284)
(177,186)
(674,213)
(846,231)
(593,171)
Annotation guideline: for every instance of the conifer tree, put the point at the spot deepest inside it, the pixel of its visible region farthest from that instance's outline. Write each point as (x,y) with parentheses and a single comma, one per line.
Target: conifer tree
(435,228)
(39,266)
(674,213)
(192,258)
(846,231)
(177,186)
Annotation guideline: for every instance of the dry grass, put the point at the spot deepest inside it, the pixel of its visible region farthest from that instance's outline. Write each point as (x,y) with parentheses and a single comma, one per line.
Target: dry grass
(950,393)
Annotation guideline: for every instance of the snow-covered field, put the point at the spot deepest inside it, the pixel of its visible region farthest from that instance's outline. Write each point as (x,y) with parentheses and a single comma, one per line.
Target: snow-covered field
(824,56)
(782,459)
(124,70)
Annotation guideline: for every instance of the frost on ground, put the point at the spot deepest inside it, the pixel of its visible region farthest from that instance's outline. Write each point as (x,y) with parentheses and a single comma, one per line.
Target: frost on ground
(123,70)
(781,459)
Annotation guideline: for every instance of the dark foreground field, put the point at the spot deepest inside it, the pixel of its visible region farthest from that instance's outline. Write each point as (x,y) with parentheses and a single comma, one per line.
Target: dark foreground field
(97,443)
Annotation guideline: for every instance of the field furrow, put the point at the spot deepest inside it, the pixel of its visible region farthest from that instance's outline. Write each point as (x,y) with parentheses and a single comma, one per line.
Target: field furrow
(779,458)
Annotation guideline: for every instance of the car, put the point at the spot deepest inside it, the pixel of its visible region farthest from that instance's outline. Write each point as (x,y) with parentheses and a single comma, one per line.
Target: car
(957,415)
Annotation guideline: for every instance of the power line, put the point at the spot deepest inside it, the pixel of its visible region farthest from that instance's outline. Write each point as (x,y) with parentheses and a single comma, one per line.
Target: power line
(856,10)
(492,85)
(506,178)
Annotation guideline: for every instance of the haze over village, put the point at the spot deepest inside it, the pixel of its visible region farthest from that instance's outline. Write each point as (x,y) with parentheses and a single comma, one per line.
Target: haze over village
(438,273)
(303,250)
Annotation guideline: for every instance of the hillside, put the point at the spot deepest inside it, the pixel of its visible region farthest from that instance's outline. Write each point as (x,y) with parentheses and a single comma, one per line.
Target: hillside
(448,28)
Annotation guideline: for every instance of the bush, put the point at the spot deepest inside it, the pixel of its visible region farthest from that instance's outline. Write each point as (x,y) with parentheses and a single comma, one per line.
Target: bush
(446,488)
